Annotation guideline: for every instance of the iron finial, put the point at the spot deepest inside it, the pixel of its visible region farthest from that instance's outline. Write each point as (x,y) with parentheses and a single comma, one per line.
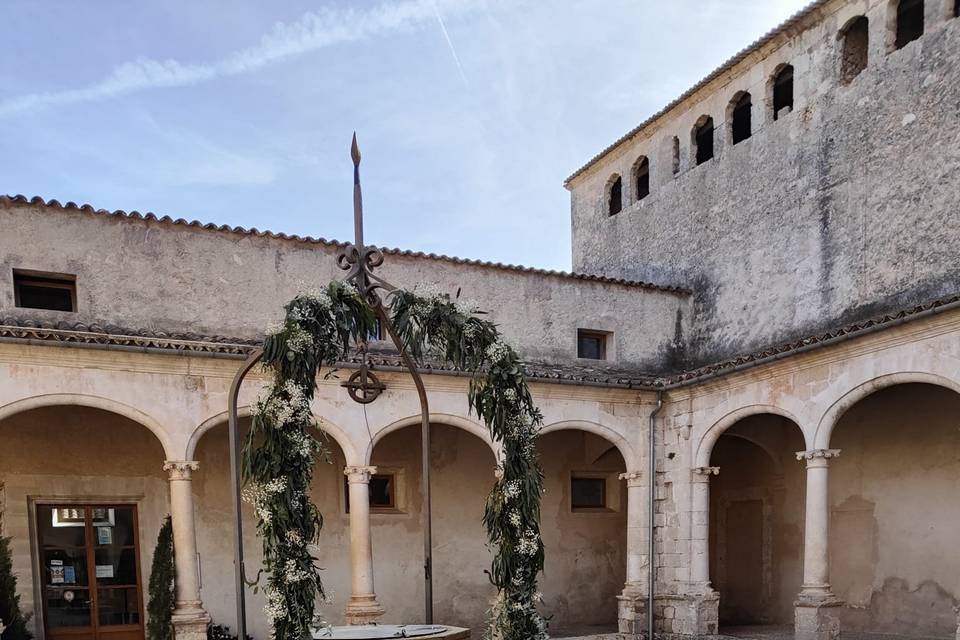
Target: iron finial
(355,151)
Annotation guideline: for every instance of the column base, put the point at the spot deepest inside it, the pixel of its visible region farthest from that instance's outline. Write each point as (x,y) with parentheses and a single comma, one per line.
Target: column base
(814,618)
(632,613)
(190,621)
(692,615)
(363,609)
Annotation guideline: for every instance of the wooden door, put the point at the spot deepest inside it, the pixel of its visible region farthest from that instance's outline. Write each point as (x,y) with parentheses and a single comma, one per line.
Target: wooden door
(90,569)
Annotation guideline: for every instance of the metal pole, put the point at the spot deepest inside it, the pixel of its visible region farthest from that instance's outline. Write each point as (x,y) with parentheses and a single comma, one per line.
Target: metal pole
(652,543)
(426,515)
(235,445)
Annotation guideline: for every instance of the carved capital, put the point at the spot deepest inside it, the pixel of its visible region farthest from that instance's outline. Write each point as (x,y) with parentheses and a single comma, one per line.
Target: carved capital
(706,472)
(819,457)
(180,469)
(633,478)
(359,475)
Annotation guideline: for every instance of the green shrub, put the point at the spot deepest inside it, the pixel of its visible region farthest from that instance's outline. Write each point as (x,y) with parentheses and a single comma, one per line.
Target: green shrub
(12,620)
(162,590)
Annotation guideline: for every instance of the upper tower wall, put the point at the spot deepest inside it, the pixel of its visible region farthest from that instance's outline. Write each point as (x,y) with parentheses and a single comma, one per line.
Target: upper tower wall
(843,206)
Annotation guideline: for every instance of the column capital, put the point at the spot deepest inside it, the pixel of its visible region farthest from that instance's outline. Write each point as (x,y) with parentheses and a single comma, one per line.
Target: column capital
(359,474)
(704,473)
(180,469)
(818,457)
(633,478)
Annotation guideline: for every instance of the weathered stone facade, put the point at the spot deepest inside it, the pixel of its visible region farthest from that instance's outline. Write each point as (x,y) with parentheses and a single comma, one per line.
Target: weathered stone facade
(843,208)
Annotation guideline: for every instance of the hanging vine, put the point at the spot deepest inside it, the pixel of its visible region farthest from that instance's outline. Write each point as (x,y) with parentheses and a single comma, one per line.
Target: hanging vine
(320,329)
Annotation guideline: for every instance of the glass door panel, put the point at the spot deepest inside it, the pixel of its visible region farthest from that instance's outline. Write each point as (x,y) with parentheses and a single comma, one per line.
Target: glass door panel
(90,568)
(115,554)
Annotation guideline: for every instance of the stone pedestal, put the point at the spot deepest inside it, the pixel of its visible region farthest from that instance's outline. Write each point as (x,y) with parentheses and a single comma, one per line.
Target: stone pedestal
(816,620)
(632,613)
(689,615)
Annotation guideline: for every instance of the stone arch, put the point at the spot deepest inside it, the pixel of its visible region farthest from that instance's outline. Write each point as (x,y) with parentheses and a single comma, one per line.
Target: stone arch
(702,139)
(640,178)
(824,431)
(781,90)
(470,426)
(339,435)
(626,450)
(709,438)
(94,402)
(854,39)
(613,195)
(739,117)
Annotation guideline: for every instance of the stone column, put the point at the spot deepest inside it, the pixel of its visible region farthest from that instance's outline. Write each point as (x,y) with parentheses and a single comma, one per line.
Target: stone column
(189,617)
(363,607)
(632,602)
(811,618)
(700,529)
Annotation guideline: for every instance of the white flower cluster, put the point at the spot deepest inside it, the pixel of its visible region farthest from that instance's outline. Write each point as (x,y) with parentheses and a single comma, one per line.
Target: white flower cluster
(259,497)
(511,490)
(294,538)
(514,518)
(498,352)
(302,443)
(316,296)
(276,607)
(293,574)
(529,543)
(299,341)
(296,408)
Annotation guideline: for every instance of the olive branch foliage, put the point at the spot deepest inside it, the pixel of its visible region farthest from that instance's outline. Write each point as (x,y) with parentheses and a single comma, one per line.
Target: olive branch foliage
(321,328)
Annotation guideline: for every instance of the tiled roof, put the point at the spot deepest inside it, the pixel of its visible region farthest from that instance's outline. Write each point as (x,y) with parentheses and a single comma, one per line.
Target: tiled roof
(726,66)
(167,220)
(15,329)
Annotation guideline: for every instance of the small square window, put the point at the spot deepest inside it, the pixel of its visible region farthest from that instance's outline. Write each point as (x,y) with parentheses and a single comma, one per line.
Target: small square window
(53,292)
(591,344)
(383,492)
(588,494)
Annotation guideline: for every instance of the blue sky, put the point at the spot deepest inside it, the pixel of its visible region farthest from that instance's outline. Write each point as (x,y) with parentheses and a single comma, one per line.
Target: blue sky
(470,113)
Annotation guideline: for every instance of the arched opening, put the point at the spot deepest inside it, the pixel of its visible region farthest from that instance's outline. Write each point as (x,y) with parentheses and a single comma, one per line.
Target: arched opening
(740,116)
(615,196)
(855,38)
(584,526)
(675,155)
(703,139)
(956,9)
(756,522)
(782,91)
(641,177)
(908,22)
(83,495)
(462,470)
(895,511)
(214,526)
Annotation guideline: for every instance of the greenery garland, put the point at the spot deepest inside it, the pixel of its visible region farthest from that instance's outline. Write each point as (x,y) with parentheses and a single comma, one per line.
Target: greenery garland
(320,328)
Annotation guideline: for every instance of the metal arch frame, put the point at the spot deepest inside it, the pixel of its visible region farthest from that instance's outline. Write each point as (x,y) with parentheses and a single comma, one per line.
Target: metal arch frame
(360,261)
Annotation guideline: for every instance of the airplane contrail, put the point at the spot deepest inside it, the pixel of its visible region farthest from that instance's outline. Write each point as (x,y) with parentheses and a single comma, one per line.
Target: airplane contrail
(453,51)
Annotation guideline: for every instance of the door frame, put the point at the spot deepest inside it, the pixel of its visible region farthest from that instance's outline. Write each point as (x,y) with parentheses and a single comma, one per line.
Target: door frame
(33,501)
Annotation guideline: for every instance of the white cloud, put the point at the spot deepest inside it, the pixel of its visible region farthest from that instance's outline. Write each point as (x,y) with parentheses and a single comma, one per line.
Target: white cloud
(313,31)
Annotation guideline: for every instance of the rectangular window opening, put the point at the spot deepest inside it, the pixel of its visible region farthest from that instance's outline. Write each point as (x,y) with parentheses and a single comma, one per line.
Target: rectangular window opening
(591,345)
(588,494)
(382,489)
(676,155)
(52,292)
(704,142)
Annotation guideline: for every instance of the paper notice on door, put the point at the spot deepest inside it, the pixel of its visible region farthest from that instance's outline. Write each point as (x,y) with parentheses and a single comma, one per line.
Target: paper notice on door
(69,575)
(56,575)
(104,570)
(104,535)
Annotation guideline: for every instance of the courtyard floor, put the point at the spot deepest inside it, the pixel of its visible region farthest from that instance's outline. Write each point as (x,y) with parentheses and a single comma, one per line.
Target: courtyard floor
(753,632)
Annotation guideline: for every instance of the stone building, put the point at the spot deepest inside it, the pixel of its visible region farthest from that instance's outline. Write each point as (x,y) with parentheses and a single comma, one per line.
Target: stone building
(753,373)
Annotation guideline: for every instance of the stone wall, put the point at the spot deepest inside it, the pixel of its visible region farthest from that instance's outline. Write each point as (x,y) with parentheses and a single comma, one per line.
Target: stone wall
(841,209)
(174,278)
